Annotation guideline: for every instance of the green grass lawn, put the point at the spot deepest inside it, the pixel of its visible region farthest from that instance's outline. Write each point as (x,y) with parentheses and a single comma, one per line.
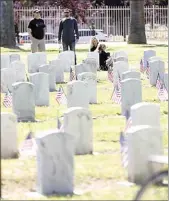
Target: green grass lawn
(98,175)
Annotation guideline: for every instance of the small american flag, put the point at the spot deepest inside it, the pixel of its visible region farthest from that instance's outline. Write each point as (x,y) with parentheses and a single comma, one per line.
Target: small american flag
(60,96)
(110,75)
(158,83)
(141,66)
(148,70)
(162,93)
(124,150)
(28,146)
(116,97)
(72,74)
(7,102)
(128,124)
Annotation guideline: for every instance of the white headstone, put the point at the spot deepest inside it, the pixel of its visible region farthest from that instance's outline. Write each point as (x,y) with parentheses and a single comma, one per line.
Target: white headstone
(35,60)
(94,55)
(147,55)
(144,113)
(91,79)
(79,68)
(8,77)
(59,65)
(119,68)
(23,101)
(143,141)
(131,74)
(120,53)
(5,61)
(8,135)
(90,65)
(79,123)
(77,94)
(55,162)
(157,67)
(51,70)
(41,88)
(68,58)
(166,80)
(19,68)
(154,58)
(14,57)
(131,93)
(121,58)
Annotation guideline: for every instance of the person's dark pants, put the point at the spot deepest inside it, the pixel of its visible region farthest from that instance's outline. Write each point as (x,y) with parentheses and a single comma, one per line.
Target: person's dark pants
(69,46)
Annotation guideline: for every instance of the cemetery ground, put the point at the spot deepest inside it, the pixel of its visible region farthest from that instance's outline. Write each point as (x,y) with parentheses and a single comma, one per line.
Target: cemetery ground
(99,176)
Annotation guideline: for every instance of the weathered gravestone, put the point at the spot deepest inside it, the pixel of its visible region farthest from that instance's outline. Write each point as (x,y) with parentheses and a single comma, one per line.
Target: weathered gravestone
(79,68)
(131,93)
(77,94)
(121,58)
(147,55)
(14,57)
(19,69)
(143,141)
(23,101)
(41,88)
(59,65)
(94,55)
(119,68)
(90,65)
(5,61)
(68,59)
(156,68)
(79,123)
(131,74)
(51,71)
(35,60)
(55,162)
(154,58)
(144,113)
(8,135)
(91,79)
(166,80)
(8,77)
(120,53)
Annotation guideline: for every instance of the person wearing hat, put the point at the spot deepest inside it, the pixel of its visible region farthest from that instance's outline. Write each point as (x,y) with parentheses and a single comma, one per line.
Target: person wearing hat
(68,32)
(36,30)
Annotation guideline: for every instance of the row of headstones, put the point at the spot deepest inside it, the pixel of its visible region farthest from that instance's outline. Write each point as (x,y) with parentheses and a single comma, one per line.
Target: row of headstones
(37,62)
(27,95)
(55,148)
(144,139)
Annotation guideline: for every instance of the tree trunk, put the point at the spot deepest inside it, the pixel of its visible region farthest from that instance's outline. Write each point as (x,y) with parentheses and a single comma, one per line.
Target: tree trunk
(7,30)
(137,23)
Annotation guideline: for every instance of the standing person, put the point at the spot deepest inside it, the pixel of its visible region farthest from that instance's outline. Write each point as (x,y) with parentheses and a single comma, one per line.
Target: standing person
(68,32)
(36,29)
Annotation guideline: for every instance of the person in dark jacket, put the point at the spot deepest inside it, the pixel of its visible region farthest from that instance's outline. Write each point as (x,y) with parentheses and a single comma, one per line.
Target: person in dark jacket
(68,32)
(103,56)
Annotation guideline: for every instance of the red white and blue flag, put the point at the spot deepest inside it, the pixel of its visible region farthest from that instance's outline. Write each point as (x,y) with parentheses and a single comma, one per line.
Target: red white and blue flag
(7,102)
(60,96)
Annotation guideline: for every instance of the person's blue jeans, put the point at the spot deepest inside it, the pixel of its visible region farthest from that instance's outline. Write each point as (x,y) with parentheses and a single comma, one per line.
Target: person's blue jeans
(69,46)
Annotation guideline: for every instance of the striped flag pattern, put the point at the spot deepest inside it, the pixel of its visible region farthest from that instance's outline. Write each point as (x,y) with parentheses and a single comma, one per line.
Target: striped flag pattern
(7,102)
(123,150)
(28,146)
(148,69)
(60,96)
(141,66)
(110,75)
(162,91)
(128,124)
(72,74)
(116,97)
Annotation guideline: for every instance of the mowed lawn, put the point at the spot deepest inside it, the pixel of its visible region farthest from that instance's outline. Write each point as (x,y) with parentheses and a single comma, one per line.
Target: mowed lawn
(99,176)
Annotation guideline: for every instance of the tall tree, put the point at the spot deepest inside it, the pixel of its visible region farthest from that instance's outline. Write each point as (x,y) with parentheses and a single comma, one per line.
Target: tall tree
(7,31)
(137,23)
